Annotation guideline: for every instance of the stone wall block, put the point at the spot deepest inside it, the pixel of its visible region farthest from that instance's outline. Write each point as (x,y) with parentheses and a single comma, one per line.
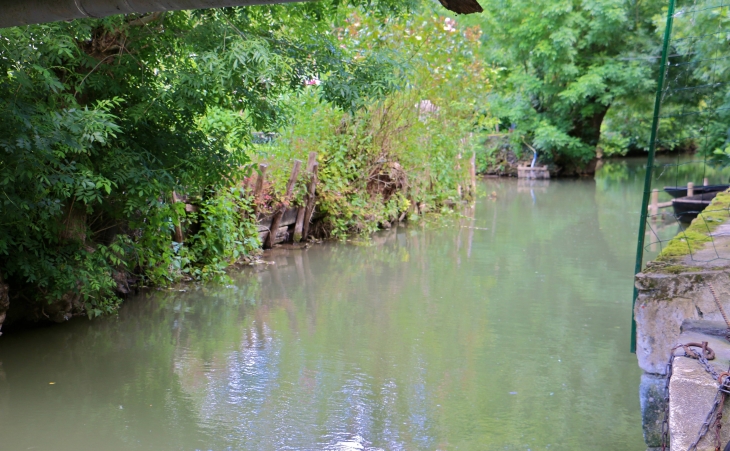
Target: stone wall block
(651,397)
(665,301)
(691,394)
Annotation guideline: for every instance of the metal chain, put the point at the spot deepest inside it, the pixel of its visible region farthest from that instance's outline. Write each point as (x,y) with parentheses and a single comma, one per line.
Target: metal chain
(723,389)
(706,425)
(715,414)
(722,311)
(718,421)
(709,368)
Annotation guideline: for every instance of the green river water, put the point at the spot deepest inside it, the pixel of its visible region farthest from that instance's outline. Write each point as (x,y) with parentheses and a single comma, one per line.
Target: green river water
(505,331)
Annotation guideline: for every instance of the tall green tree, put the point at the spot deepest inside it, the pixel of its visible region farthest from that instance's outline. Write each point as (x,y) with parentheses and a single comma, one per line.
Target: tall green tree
(564,64)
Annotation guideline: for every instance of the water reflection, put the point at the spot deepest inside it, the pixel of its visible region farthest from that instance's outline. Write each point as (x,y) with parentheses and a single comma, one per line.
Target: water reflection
(506,328)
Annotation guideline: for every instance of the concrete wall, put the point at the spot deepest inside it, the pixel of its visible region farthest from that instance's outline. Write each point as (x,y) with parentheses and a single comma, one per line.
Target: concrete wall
(677,307)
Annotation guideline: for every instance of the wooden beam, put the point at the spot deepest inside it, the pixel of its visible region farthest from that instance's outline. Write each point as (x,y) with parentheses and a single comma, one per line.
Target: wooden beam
(654,208)
(275,222)
(311,200)
(661,205)
(179,237)
(299,225)
(259,187)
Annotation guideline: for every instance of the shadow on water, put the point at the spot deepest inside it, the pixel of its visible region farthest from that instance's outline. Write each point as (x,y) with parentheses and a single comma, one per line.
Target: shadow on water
(508,329)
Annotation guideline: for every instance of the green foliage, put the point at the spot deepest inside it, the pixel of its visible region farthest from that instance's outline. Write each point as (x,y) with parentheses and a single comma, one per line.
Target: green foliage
(699,83)
(227,234)
(400,153)
(564,65)
(102,120)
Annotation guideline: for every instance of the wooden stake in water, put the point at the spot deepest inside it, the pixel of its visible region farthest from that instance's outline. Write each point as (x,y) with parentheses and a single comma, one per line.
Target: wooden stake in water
(276,220)
(654,211)
(259,187)
(179,237)
(690,189)
(299,225)
(310,201)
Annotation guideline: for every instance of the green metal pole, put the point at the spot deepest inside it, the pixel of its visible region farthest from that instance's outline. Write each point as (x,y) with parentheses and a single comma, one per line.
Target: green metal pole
(650,163)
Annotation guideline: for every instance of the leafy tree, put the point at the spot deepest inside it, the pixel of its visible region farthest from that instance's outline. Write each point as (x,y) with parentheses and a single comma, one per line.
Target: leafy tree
(564,64)
(101,120)
(698,79)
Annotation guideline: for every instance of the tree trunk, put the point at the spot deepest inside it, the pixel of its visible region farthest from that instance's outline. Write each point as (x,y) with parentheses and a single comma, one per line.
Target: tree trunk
(588,130)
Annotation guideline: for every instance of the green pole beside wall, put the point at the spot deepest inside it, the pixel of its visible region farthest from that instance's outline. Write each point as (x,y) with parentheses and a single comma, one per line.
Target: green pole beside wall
(650,163)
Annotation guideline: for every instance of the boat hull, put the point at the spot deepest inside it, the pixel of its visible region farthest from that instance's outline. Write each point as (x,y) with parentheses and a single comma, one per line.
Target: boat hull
(687,208)
(681,191)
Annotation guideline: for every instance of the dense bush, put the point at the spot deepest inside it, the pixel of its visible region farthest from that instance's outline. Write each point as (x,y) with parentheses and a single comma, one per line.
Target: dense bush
(402,154)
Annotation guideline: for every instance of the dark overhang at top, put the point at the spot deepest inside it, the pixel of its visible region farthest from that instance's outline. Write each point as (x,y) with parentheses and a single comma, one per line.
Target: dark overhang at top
(26,12)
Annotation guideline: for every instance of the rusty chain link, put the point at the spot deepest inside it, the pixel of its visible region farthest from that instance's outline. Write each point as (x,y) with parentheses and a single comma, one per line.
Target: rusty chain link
(722,310)
(714,416)
(704,429)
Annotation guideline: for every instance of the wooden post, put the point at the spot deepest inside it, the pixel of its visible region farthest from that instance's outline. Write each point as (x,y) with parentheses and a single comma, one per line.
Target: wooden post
(654,211)
(179,237)
(473,173)
(259,187)
(299,225)
(690,189)
(705,182)
(310,201)
(276,220)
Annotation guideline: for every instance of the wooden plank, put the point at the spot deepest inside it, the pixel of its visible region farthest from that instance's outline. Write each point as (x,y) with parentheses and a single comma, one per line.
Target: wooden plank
(311,199)
(299,225)
(179,237)
(276,221)
(661,205)
(282,235)
(289,217)
(654,207)
(257,191)
(264,223)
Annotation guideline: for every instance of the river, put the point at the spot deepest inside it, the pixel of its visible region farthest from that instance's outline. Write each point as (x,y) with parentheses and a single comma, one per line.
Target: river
(508,330)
